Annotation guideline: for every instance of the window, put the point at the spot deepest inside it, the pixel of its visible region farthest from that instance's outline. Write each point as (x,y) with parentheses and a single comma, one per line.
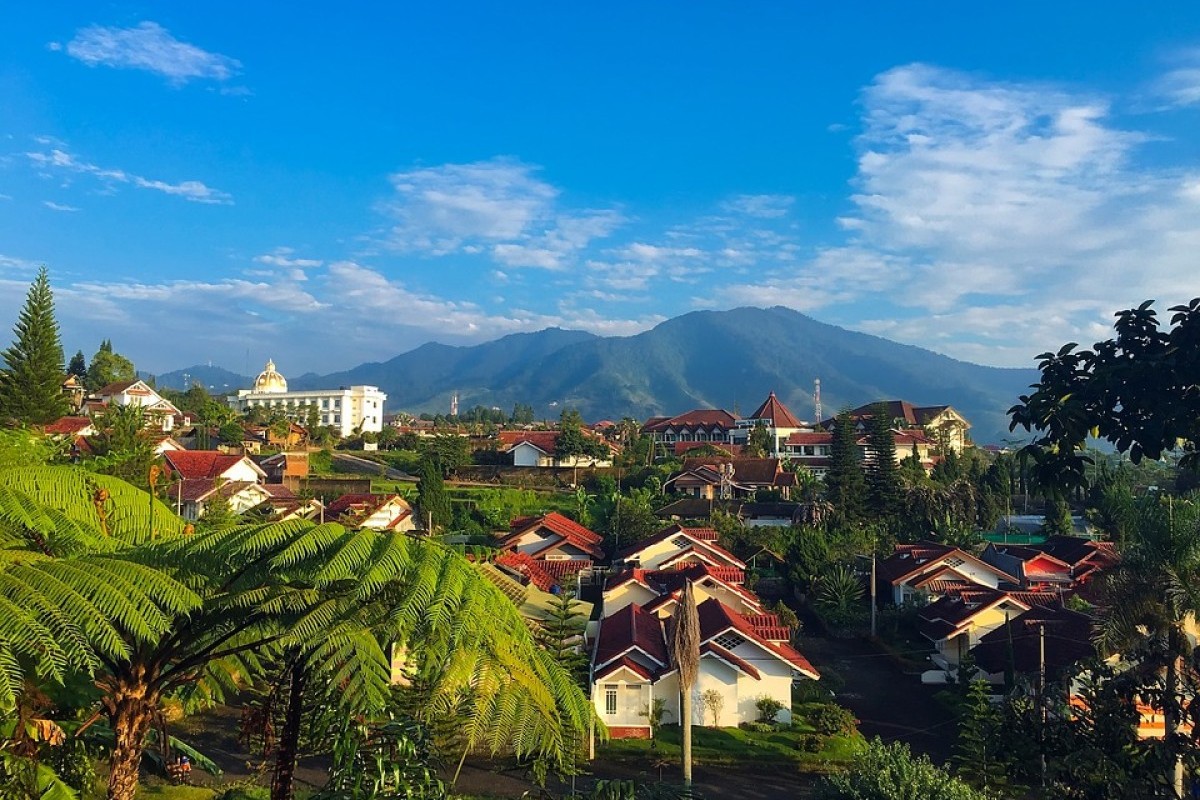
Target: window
(337,419)
(729,640)
(610,699)
(683,541)
(954,561)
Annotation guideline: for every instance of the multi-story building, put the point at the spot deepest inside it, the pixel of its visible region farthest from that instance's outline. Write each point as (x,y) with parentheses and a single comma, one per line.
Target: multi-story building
(348,409)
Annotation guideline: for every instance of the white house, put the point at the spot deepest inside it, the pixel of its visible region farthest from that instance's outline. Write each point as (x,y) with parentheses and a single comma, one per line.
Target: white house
(349,409)
(203,475)
(675,546)
(741,659)
(658,591)
(160,413)
(552,537)
(933,570)
(381,512)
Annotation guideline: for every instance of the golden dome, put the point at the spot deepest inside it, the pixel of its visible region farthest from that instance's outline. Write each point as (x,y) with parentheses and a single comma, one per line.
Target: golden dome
(269,380)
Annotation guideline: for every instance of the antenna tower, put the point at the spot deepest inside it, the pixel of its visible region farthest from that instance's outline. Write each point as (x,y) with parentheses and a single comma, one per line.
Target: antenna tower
(454,404)
(817,399)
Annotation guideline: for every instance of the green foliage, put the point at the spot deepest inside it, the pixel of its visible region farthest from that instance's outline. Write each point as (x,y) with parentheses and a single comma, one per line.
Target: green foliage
(1134,390)
(108,367)
(768,708)
(882,472)
(759,443)
(829,719)
(432,501)
(448,451)
(123,447)
(561,635)
(845,485)
(31,382)
(840,597)
(892,772)
(77,366)
(980,756)
(390,759)
(572,442)
(1057,521)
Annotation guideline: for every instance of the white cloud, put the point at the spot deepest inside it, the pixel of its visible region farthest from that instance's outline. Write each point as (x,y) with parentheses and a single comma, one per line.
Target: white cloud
(282,257)
(59,160)
(763,206)
(1180,86)
(53,206)
(498,207)
(149,46)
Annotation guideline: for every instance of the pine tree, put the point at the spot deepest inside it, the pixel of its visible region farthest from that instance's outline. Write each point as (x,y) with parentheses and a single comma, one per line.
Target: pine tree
(883,473)
(31,385)
(845,486)
(432,500)
(561,635)
(979,755)
(78,366)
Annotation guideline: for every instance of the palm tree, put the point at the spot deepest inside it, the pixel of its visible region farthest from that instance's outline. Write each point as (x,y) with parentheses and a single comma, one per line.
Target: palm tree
(685,658)
(1151,598)
(120,588)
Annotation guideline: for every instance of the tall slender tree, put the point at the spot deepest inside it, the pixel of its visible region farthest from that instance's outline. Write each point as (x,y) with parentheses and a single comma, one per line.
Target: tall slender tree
(685,657)
(882,471)
(845,486)
(432,500)
(78,365)
(31,383)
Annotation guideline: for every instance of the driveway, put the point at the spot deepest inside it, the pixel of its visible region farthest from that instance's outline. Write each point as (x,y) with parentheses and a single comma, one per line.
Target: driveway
(889,703)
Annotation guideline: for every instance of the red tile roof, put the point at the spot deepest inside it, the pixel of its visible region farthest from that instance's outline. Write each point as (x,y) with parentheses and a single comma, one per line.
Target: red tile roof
(1068,640)
(116,388)
(542,440)
(627,663)
(565,529)
(68,426)
(728,657)
(809,437)
(713,549)
(192,464)
(629,628)
(708,419)
(717,618)
(529,567)
(777,413)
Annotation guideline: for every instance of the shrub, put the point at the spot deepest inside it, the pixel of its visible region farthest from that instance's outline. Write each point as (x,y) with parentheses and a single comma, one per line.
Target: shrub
(244,791)
(810,743)
(758,727)
(768,708)
(885,772)
(830,719)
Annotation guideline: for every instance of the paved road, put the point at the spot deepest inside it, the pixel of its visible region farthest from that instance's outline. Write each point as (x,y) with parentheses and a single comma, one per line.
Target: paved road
(372,467)
(888,702)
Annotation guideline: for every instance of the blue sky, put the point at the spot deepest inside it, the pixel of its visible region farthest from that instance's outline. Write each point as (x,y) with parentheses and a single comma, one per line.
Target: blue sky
(229,181)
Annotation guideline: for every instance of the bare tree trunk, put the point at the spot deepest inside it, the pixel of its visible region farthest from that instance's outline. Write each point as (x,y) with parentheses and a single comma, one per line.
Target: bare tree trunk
(685,720)
(131,712)
(1171,725)
(283,780)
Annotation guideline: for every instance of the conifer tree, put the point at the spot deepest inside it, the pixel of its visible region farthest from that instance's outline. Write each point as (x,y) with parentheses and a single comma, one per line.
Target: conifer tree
(883,473)
(31,384)
(979,754)
(78,366)
(432,500)
(845,487)
(561,635)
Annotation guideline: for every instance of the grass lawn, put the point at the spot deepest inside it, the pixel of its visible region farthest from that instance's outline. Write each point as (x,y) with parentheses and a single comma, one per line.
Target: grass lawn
(734,747)
(161,790)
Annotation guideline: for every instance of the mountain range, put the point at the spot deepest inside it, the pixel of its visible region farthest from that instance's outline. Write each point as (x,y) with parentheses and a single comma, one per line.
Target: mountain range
(725,359)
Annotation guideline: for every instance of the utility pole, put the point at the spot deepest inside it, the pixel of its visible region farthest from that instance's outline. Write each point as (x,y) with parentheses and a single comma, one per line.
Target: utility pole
(1041,695)
(874,605)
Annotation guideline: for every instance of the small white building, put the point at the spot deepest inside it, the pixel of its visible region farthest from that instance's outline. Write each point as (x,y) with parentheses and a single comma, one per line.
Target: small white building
(349,409)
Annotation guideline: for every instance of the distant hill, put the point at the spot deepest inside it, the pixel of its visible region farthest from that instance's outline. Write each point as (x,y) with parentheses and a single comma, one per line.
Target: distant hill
(215,379)
(728,359)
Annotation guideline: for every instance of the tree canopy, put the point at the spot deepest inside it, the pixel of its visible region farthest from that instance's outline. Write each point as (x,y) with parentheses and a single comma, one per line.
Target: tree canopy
(1139,390)
(31,383)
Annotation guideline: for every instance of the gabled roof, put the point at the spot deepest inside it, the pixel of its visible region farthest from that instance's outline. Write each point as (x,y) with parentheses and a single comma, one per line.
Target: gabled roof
(545,441)
(911,559)
(68,426)
(118,387)
(191,464)
(672,581)
(361,507)
(707,418)
(717,618)
(948,616)
(1076,550)
(698,542)
(746,471)
(1068,640)
(563,530)
(629,629)
(194,490)
(775,411)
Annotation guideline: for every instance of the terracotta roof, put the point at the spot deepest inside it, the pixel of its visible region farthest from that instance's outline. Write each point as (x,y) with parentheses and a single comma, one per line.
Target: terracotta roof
(542,440)
(748,471)
(529,567)
(202,463)
(946,616)
(777,413)
(627,663)
(567,530)
(725,655)
(717,618)
(910,559)
(809,437)
(671,581)
(629,628)
(707,418)
(68,426)
(1075,550)
(1068,640)
(115,388)
(191,490)
(714,549)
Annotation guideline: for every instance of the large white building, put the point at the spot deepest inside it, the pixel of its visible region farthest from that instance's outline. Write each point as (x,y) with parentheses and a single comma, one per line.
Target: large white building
(349,409)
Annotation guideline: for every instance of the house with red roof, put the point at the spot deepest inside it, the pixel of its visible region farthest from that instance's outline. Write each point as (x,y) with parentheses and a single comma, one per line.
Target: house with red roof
(677,546)
(380,512)
(538,449)
(203,475)
(943,424)
(1033,568)
(700,425)
(725,478)
(741,657)
(160,413)
(71,427)
(552,537)
(932,570)
(956,622)
(658,591)
(773,415)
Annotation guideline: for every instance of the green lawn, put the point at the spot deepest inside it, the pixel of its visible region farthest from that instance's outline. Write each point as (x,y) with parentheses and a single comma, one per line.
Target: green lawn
(734,746)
